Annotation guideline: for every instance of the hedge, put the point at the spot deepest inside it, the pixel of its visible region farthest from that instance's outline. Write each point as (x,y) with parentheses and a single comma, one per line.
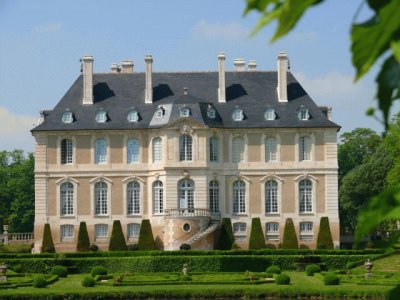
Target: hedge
(83,244)
(47,243)
(324,239)
(257,240)
(146,239)
(210,263)
(289,240)
(117,240)
(226,238)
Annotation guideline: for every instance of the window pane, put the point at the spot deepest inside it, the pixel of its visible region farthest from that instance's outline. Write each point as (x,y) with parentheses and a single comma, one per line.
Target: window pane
(133,230)
(185,147)
(133,151)
(67,231)
(133,198)
(214,149)
(66,151)
(157,149)
(100,194)
(213,194)
(239,201)
(101,230)
(305,148)
(67,199)
(158,197)
(271,197)
(100,151)
(238,149)
(186,194)
(305,196)
(271,149)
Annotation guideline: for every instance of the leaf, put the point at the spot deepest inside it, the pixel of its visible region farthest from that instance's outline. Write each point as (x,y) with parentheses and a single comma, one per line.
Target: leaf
(388,81)
(259,5)
(395,46)
(385,206)
(372,38)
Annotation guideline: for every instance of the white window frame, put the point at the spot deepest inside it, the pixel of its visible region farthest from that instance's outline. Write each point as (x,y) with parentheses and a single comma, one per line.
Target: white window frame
(271,156)
(305,196)
(272,231)
(75,184)
(66,151)
(238,154)
(132,231)
(101,151)
(133,198)
(101,116)
(67,199)
(263,182)
(158,195)
(186,194)
(239,231)
(157,149)
(303,114)
(101,206)
(239,201)
(214,149)
(184,112)
(101,231)
(273,207)
(66,232)
(67,117)
(298,146)
(214,196)
(185,147)
(132,150)
(211,113)
(270,114)
(159,113)
(237,115)
(133,116)
(306,231)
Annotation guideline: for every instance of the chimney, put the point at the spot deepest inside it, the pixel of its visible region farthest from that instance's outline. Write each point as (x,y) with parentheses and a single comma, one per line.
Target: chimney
(329,114)
(239,64)
(252,65)
(127,66)
(115,68)
(282,77)
(149,80)
(87,64)
(221,78)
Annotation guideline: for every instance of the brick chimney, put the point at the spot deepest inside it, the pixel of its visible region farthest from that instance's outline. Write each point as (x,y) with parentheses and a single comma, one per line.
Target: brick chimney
(149,79)
(282,77)
(239,64)
(221,78)
(87,69)
(127,66)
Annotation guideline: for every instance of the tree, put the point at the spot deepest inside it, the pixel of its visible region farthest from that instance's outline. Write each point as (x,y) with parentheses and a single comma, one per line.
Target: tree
(289,240)
(226,239)
(257,240)
(47,242)
(117,240)
(83,244)
(324,238)
(146,239)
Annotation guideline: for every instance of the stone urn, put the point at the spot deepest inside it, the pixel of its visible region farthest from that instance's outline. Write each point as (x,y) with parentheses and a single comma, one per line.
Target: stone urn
(3,271)
(368,265)
(185,269)
(5,228)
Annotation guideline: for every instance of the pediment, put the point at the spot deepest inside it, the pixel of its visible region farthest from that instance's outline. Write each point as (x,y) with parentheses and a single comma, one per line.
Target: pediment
(186,125)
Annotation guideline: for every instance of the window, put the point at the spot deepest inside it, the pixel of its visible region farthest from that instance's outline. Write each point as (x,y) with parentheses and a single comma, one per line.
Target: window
(211,112)
(100,151)
(66,151)
(185,147)
(100,198)
(133,198)
(239,231)
(67,199)
(305,196)
(306,231)
(67,232)
(133,151)
(272,231)
(184,112)
(239,197)
(101,116)
(158,197)
(271,149)
(159,113)
(271,197)
(237,114)
(304,148)
(157,149)
(303,114)
(133,230)
(213,195)
(133,116)
(270,114)
(214,149)
(67,117)
(237,150)
(186,194)
(101,230)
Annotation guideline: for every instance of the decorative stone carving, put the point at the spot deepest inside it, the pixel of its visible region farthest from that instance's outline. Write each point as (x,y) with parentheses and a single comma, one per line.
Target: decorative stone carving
(185,173)
(185,269)
(186,129)
(368,267)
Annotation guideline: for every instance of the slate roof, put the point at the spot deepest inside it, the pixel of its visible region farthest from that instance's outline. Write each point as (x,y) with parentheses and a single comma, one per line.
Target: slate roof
(117,93)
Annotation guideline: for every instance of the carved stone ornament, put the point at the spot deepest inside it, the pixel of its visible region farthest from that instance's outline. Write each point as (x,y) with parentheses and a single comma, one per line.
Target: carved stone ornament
(186,129)
(185,173)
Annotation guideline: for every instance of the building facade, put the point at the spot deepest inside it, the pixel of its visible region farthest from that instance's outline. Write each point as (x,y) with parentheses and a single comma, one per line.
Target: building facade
(185,149)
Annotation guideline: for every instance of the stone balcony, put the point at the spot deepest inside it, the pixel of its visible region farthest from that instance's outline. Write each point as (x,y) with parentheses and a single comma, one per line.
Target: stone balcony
(187,213)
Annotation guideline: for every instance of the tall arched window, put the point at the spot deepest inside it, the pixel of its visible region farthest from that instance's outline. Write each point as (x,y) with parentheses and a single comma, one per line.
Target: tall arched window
(100,151)
(133,151)
(305,196)
(271,197)
(67,199)
(185,147)
(157,149)
(304,148)
(66,151)
(237,149)
(186,194)
(239,197)
(100,198)
(213,194)
(214,149)
(271,149)
(133,198)
(158,196)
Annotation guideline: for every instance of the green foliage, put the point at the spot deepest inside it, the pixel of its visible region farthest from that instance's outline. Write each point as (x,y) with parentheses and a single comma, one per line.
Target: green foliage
(18,268)
(39,282)
(83,244)
(47,243)
(185,247)
(226,239)
(146,239)
(60,271)
(312,269)
(331,279)
(324,239)
(273,270)
(98,270)
(282,279)
(183,277)
(117,240)
(88,282)
(257,240)
(289,236)
(94,248)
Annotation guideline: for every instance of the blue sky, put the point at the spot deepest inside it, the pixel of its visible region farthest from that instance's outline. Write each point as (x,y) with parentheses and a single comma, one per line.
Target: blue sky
(42,42)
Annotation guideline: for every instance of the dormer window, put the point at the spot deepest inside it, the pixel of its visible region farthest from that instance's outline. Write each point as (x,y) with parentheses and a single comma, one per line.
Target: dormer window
(101,116)
(184,112)
(67,117)
(211,112)
(303,113)
(133,116)
(270,114)
(159,113)
(237,114)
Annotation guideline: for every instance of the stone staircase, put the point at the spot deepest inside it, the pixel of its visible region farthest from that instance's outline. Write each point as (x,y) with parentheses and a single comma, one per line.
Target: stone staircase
(203,233)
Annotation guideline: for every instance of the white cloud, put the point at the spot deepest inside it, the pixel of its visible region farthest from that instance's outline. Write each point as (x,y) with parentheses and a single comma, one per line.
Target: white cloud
(15,131)
(48,28)
(233,31)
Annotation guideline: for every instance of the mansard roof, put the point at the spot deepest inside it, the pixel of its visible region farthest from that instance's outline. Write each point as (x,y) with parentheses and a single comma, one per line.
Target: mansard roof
(118,93)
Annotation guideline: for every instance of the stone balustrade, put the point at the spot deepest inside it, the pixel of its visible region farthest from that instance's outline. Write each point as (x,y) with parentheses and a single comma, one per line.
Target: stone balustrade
(187,213)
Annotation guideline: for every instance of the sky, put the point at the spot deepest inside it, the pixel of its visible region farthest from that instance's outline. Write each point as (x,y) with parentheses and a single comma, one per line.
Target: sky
(42,41)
